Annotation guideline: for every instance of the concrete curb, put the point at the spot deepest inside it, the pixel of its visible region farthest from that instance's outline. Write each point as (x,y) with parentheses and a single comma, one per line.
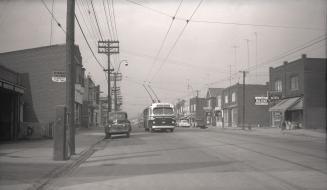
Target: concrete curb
(62,170)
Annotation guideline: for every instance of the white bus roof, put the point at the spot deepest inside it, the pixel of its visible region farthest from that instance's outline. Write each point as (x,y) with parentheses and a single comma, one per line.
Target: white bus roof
(162,105)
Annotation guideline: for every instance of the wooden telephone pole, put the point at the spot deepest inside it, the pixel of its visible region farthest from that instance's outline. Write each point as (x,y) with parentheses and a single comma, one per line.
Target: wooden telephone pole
(70,69)
(108,47)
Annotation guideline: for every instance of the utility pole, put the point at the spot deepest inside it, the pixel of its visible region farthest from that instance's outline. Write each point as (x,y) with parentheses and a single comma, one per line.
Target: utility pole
(108,47)
(243,106)
(248,49)
(256,55)
(70,68)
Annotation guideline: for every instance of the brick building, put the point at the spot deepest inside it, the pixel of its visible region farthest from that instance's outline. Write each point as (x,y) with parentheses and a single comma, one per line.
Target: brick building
(232,106)
(90,108)
(213,107)
(299,90)
(196,110)
(44,71)
(11,92)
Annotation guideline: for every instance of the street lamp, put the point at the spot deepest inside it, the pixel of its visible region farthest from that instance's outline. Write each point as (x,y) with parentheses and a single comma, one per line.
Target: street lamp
(126,64)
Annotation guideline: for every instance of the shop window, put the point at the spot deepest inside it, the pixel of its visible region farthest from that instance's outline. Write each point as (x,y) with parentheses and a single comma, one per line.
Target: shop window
(233,96)
(226,99)
(278,85)
(294,83)
(219,101)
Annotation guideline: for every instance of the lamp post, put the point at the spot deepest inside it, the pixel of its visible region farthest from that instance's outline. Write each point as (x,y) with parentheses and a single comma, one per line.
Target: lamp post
(115,82)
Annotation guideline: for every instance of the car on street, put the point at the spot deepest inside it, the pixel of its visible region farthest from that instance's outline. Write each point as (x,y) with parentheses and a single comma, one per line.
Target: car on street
(183,123)
(118,124)
(200,123)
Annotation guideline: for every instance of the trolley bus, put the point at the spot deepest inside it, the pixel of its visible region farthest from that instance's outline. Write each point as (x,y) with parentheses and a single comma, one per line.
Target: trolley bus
(159,116)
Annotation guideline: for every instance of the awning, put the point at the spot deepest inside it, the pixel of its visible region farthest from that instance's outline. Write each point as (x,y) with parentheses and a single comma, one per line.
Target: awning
(298,105)
(285,104)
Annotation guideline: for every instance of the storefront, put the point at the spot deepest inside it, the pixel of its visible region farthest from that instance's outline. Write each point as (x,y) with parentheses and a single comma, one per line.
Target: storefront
(288,110)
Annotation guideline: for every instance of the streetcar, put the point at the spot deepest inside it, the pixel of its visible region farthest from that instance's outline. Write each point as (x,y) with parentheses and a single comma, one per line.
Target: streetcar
(159,116)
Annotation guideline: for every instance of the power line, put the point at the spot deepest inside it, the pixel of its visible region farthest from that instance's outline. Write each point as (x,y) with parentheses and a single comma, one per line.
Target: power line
(88,44)
(165,38)
(113,12)
(178,38)
(94,33)
(225,23)
(52,15)
(111,20)
(96,19)
(105,12)
(292,51)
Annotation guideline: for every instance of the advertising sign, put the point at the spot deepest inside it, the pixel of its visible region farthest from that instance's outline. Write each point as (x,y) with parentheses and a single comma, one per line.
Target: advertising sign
(261,101)
(59,76)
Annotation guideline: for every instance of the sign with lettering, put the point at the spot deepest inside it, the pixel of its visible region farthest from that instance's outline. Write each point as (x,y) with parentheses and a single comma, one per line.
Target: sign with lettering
(261,101)
(59,76)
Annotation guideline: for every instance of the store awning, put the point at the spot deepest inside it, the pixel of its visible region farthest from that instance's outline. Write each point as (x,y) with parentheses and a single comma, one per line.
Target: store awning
(286,104)
(298,105)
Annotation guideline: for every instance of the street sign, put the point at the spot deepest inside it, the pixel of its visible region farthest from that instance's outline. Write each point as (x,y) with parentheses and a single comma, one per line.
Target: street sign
(59,76)
(261,101)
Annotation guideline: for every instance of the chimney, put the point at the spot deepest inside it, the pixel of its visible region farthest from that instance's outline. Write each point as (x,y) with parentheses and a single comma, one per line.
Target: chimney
(304,56)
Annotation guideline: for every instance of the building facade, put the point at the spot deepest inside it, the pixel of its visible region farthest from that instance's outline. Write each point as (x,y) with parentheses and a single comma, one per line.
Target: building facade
(197,112)
(237,112)
(212,109)
(11,115)
(44,71)
(91,101)
(298,93)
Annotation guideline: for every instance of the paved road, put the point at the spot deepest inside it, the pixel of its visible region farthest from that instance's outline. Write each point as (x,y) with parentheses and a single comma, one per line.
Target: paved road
(202,159)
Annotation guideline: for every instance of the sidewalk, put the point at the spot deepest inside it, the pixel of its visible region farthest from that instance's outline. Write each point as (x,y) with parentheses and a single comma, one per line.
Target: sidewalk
(28,164)
(318,133)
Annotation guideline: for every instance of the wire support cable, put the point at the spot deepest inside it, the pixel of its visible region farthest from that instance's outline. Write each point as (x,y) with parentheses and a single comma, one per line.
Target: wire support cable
(52,15)
(107,20)
(88,44)
(96,19)
(165,38)
(177,40)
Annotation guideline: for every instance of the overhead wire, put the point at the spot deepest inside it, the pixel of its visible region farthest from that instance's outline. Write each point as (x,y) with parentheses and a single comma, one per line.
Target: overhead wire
(52,15)
(178,38)
(96,19)
(165,38)
(114,18)
(107,20)
(225,23)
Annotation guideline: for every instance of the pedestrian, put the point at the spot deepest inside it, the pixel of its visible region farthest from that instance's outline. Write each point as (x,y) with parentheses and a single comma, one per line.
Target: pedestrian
(283,125)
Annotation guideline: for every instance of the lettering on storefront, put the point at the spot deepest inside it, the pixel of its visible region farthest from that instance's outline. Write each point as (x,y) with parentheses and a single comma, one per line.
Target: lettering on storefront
(261,101)
(59,76)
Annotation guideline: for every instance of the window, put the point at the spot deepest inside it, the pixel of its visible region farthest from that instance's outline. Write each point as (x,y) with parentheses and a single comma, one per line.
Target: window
(226,99)
(233,96)
(219,101)
(294,83)
(278,85)
(209,103)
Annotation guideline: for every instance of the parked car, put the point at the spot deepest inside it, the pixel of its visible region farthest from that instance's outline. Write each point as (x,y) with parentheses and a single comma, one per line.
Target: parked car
(118,124)
(183,123)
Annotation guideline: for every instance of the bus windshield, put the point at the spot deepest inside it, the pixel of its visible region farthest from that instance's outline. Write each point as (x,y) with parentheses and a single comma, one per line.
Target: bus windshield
(163,111)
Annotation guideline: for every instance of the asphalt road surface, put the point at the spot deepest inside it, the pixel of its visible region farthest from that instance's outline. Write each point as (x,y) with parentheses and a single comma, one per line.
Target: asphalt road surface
(202,159)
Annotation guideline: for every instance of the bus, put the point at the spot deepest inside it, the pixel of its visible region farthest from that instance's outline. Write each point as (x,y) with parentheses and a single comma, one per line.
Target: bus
(159,116)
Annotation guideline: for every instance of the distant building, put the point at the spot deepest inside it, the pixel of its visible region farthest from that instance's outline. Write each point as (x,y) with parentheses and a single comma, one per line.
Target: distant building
(255,105)
(91,102)
(11,101)
(103,110)
(196,110)
(44,71)
(299,91)
(179,109)
(213,107)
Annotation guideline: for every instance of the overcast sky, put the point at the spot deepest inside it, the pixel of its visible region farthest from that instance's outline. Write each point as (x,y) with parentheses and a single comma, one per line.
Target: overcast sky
(202,56)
